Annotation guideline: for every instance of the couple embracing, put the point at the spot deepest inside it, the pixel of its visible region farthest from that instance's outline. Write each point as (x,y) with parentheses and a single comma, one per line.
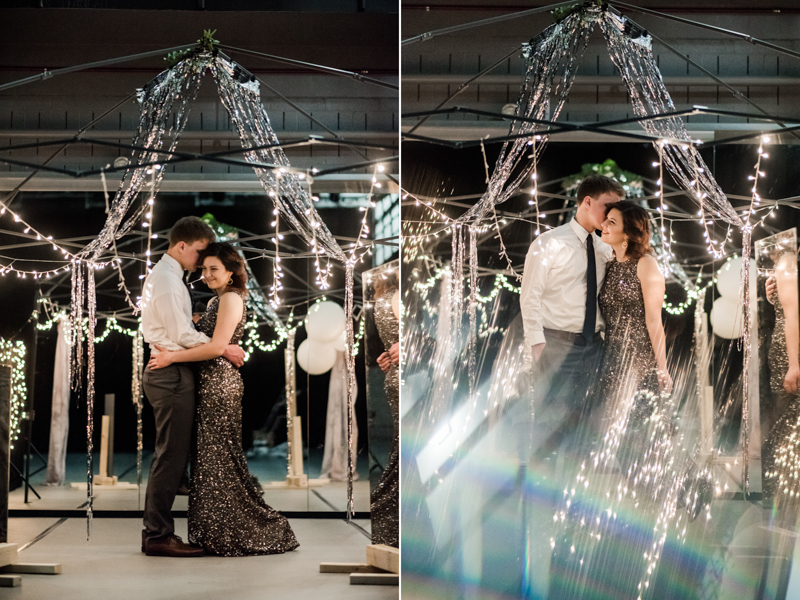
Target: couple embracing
(592,275)
(227,515)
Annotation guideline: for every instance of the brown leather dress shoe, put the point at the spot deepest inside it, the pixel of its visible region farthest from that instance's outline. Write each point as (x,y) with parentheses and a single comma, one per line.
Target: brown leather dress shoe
(144,539)
(172,546)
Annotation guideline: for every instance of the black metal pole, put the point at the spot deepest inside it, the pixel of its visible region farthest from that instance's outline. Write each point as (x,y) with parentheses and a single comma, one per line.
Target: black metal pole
(29,412)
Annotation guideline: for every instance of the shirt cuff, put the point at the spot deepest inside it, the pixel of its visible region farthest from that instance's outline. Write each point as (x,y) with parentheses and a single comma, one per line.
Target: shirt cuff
(535,337)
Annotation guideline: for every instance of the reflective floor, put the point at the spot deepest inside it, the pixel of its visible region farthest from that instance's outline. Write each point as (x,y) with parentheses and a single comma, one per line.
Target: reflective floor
(331,496)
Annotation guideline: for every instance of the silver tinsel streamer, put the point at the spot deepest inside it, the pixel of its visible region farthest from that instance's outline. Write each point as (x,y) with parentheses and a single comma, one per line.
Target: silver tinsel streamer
(91,301)
(75,327)
(291,397)
(649,96)
(169,93)
(700,360)
(136,398)
(473,285)
(744,294)
(350,356)
(250,119)
(457,282)
(554,53)
(443,363)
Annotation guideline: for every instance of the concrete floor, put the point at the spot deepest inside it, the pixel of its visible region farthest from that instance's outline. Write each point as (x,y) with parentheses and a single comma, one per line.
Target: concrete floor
(110,565)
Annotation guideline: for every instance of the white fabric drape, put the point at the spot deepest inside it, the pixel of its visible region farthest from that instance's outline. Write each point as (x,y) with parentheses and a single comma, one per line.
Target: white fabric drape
(334,458)
(59,420)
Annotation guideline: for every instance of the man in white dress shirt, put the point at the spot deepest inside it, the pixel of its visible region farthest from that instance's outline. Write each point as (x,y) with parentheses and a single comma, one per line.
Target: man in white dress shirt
(167,323)
(562,323)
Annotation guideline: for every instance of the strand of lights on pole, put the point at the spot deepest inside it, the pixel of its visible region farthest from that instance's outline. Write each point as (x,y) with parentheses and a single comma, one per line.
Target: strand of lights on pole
(277,270)
(12,353)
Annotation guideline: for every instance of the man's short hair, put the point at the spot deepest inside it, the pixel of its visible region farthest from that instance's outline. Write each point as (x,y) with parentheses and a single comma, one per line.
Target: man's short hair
(190,230)
(597,185)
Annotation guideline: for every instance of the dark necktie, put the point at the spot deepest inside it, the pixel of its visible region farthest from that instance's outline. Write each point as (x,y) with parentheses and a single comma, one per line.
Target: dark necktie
(188,289)
(591,292)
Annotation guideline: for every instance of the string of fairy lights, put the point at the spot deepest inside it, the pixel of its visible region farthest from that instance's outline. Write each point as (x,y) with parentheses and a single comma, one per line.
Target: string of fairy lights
(13,354)
(420,235)
(252,340)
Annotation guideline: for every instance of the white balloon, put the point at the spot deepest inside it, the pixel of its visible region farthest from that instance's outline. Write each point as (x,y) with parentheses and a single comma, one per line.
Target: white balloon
(315,357)
(325,322)
(339,343)
(729,278)
(727,318)
(396,304)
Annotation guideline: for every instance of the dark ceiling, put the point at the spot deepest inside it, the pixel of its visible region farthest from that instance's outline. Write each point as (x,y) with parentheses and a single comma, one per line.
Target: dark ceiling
(345,6)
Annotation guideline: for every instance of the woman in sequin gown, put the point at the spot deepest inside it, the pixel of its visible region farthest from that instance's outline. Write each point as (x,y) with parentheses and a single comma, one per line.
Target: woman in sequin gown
(781,452)
(634,368)
(384,503)
(227,514)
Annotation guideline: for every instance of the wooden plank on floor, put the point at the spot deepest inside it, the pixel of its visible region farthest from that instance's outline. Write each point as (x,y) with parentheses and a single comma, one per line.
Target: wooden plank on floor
(347,568)
(10,581)
(374,579)
(33,568)
(384,557)
(8,554)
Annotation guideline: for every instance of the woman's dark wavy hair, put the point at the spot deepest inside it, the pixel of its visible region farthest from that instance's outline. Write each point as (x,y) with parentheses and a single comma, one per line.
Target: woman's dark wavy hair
(231,260)
(636,225)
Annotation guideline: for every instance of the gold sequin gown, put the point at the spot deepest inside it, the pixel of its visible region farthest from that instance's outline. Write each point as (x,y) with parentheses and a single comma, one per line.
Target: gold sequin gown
(628,376)
(781,451)
(227,514)
(384,504)
(629,363)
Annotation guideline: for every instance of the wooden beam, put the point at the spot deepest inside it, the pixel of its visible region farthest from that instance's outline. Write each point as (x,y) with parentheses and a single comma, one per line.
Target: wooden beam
(374,579)
(384,557)
(10,581)
(348,568)
(33,568)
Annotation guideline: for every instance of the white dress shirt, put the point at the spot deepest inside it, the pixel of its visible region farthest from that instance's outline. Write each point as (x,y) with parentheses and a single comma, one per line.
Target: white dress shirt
(553,294)
(167,310)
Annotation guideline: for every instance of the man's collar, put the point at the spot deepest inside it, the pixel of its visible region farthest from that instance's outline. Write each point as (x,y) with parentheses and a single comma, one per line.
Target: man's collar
(579,230)
(173,264)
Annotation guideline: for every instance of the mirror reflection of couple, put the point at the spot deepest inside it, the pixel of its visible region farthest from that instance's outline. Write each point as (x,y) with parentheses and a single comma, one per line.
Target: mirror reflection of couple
(587,361)
(227,515)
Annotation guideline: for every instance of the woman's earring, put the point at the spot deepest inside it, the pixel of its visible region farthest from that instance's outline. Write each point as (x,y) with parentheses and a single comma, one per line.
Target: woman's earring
(230,280)
(624,245)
